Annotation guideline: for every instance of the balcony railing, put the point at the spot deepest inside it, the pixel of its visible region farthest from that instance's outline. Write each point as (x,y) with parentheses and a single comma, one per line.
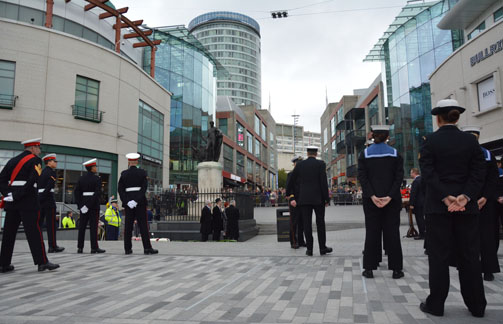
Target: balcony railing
(7,101)
(356,137)
(85,113)
(341,147)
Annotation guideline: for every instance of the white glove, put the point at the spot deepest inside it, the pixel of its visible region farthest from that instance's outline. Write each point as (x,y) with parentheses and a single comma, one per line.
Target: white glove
(9,197)
(132,204)
(84,209)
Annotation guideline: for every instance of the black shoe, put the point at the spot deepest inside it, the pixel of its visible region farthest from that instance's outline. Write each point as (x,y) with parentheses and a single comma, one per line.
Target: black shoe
(47,266)
(7,268)
(150,251)
(419,237)
(79,251)
(56,249)
(129,251)
(302,245)
(397,274)
(326,250)
(98,250)
(424,308)
(368,274)
(477,314)
(309,252)
(488,277)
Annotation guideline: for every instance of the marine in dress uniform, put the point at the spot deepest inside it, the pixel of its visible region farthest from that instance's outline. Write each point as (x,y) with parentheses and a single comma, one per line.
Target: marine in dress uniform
(232,214)
(18,185)
(87,195)
(133,185)
(205,221)
(453,166)
(380,172)
(296,224)
(489,220)
(46,184)
(217,222)
(311,175)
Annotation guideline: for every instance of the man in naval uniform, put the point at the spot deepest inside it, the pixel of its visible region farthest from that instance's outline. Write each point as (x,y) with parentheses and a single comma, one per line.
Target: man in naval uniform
(87,195)
(18,186)
(133,185)
(296,224)
(46,184)
(311,175)
(380,172)
(489,222)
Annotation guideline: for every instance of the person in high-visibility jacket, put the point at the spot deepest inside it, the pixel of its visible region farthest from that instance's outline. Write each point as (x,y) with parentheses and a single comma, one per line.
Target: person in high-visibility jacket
(68,221)
(113,218)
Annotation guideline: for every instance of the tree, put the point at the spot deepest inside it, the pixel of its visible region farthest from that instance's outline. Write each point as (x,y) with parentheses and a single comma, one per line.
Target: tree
(282,178)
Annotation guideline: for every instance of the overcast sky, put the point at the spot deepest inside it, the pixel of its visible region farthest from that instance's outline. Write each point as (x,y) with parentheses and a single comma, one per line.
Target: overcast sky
(320,45)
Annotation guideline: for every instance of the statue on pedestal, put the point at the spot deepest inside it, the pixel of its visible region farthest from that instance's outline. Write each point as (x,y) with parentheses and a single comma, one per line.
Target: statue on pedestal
(214,143)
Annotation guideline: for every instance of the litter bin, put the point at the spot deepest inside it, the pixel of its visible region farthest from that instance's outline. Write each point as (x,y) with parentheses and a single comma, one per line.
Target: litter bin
(283,224)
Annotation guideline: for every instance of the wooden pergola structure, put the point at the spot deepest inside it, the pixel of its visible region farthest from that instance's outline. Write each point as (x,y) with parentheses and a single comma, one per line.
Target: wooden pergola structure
(121,22)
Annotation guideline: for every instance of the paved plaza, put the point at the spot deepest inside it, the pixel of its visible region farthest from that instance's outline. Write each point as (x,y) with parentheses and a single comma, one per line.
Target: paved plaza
(258,281)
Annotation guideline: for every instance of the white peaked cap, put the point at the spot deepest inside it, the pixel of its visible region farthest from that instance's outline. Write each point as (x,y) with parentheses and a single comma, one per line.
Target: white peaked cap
(32,142)
(312,148)
(471,129)
(376,128)
(51,156)
(90,162)
(132,156)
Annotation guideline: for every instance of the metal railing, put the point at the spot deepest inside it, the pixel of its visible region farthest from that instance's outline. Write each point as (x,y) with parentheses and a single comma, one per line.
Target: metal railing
(86,113)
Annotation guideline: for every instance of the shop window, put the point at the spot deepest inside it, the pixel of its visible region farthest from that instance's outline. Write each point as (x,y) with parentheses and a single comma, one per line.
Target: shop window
(86,99)
(7,77)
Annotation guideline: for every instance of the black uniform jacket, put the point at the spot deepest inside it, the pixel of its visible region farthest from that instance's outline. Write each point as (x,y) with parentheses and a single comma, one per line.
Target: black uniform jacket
(380,171)
(417,192)
(232,214)
(133,178)
(217,220)
(88,183)
(489,191)
(295,186)
(46,184)
(206,220)
(451,163)
(26,195)
(311,176)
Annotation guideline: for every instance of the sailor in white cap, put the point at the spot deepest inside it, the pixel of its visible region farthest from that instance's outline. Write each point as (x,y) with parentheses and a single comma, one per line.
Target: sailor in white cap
(18,186)
(380,173)
(489,219)
(453,168)
(46,184)
(87,195)
(133,185)
(296,225)
(311,175)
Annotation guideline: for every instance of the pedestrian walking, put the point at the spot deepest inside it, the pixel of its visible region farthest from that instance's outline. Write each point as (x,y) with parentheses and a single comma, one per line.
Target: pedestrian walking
(313,195)
(296,224)
(46,184)
(133,185)
(453,166)
(206,219)
(87,195)
(489,219)
(380,172)
(232,214)
(18,186)
(113,221)
(217,220)
(416,202)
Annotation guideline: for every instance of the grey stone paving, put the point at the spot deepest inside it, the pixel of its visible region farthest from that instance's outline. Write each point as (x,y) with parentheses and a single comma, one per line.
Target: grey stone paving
(258,281)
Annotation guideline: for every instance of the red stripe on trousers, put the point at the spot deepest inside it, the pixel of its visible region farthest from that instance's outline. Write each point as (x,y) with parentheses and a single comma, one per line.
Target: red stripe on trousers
(53,228)
(41,238)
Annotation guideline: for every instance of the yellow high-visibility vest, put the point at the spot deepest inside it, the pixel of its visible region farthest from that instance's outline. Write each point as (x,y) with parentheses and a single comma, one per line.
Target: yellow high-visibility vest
(112,217)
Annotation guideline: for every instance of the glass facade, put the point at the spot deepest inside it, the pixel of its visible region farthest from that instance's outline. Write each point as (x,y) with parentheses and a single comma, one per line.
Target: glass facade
(87,93)
(234,39)
(189,74)
(411,54)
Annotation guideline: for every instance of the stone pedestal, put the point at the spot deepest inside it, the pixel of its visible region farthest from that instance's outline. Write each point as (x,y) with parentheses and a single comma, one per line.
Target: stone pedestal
(209,177)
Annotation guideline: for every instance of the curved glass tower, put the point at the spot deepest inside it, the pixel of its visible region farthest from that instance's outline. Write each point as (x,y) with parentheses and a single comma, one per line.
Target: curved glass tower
(234,39)
(411,49)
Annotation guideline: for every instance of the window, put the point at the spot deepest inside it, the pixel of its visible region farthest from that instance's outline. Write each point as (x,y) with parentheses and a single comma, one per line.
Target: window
(271,159)
(228,158)
(257,148)
(240,137)
(257,125)
(240,164)
(249,142)
(271,139)
(487,94)
(325,136)
(249,168)
(263,134)
(498,14)
(477,30)
(150,132)
(222,124)
(86,99)
(7,73)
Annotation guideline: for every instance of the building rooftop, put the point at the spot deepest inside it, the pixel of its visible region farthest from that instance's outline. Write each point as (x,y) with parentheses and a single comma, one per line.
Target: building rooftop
(464,13)
(222,16)
(225,103)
